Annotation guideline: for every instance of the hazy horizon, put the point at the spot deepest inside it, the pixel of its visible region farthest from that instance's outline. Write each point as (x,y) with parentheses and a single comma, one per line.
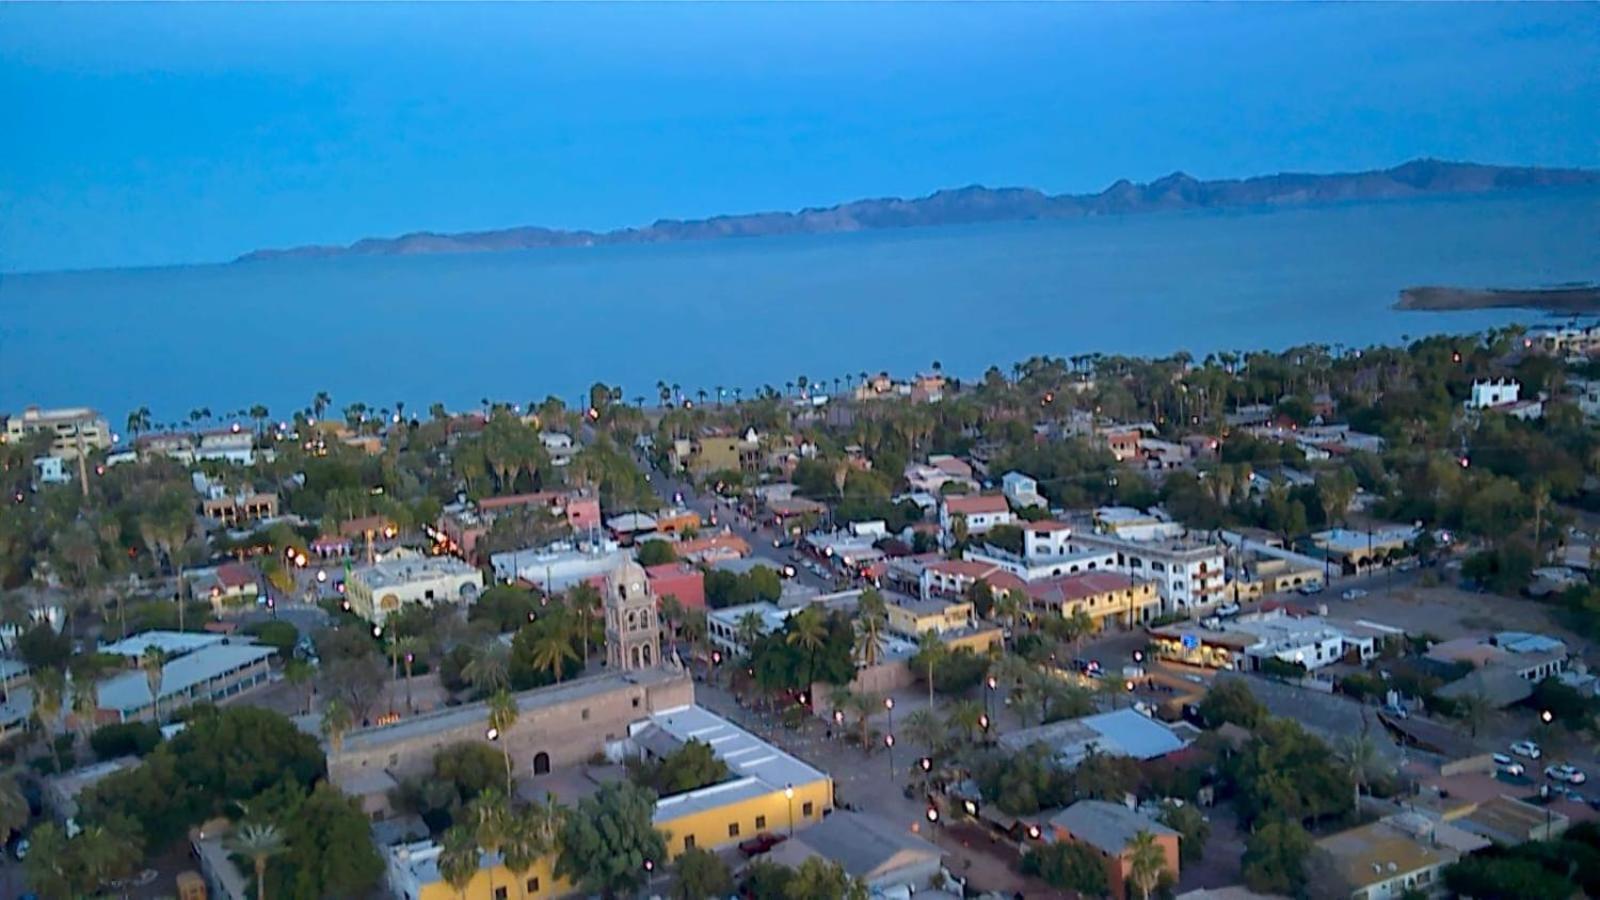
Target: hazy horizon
(162,135)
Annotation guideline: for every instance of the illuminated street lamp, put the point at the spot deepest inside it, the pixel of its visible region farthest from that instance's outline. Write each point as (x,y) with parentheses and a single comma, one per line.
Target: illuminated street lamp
(888,741)
(492,734)
(788,794)
(1033,832)
(1547,716)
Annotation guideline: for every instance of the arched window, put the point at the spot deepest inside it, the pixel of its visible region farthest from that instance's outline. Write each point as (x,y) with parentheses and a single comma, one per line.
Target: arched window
(541,763)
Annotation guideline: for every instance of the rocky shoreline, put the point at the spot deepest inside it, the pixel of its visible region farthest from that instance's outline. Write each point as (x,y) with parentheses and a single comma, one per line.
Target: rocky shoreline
(1572,299)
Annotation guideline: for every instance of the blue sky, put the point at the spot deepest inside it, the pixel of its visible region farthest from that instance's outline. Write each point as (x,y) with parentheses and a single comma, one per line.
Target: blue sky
(146,135)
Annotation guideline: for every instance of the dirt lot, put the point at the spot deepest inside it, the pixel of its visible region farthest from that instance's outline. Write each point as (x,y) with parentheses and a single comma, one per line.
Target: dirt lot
(1448,612)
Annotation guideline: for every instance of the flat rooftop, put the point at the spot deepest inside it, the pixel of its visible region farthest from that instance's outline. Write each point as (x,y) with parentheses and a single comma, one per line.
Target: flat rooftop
(757,767)
(472,715)
(404,571)
(131,690)
(172,643)
(1122,732)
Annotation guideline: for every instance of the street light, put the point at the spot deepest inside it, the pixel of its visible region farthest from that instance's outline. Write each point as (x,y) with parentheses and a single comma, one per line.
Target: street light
(492,734)
(888,704)
(933,815)
(888,741)
(1547,716)
(788,794)
(1033,832)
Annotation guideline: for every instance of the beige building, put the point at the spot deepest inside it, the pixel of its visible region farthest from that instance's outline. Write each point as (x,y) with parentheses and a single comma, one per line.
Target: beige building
(377,590)
(557,726)
(912,617)
(241,508)
(1394,855)
(1106,598)
(71,429)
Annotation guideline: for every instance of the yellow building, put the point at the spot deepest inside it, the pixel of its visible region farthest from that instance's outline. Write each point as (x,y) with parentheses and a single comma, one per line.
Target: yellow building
(767,791)
(70,429)
(911,617)
(1106,598)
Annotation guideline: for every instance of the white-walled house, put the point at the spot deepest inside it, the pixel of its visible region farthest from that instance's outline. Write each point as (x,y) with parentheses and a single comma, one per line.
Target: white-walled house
(1021,490)
(1489,394)
(982,512)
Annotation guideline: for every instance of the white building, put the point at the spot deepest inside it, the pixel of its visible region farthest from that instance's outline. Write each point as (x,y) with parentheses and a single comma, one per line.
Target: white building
(1072,561)
(1135,524)
(556,567)
(981,512)
(1021,490)
(1189,573)
(377,590)
(1489,394)
(70,429)
(51,470)
(559,446)
(724,625)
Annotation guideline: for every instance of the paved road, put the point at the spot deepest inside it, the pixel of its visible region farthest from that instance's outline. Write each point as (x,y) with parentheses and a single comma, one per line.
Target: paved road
(760,535)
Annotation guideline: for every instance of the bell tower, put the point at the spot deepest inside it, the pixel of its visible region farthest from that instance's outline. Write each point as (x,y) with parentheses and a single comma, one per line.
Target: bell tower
(633,636)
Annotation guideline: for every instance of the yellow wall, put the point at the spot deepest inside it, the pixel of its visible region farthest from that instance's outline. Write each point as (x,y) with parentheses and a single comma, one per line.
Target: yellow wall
(486,880)
(709,828)
(908,622)
(979,642)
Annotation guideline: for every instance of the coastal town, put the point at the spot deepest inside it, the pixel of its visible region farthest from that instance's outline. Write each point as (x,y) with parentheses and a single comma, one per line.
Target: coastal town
(1319,622)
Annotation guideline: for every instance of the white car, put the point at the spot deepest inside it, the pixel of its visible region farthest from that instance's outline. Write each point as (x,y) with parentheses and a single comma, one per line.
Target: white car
(1354,594)
(23,846)
(1508,765)
(1564,772)
(1527,749)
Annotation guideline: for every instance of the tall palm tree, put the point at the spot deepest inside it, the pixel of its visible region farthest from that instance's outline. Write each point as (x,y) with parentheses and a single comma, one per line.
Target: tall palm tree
(808,630)
(1146,862)
(552,649)
(260,843)
(869,640)
(963,720)
(749,629)
(489,816)
(14,812)
(932,651)
(100,854)
(49,691)
(488,670)
(85,702)
(923,727)
(529,837)
(459,857)
(154,664)
(337,720)
(1360,756)
(406,650)
(503,715)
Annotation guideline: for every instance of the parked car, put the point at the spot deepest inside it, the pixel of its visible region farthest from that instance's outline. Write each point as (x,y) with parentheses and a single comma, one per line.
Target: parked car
(22,848)
(1527,749)
(761,843)
(1307,590)
(1354,594)
(1507,765)
(1228,609)
(1564,772)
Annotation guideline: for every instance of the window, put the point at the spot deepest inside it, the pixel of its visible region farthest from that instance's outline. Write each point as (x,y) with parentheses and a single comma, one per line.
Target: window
(733,829)
(500,893)
(805,810)
(533,885)
(636,703)
(761,822)
(688,842)
(586,713)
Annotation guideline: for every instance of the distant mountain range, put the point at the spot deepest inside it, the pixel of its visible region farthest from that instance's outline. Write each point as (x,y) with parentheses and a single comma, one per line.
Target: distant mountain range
(981,204)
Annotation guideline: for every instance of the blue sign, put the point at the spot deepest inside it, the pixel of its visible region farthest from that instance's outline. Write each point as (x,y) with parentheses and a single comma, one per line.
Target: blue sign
(1191,642)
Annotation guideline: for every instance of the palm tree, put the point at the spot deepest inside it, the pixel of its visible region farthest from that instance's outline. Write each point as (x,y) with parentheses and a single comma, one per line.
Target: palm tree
(260,843)
(489,816)
(459,858)
(337,720)
(1146,862)
(85,702)
(1360,755)
(14,812)
(923,727)
(154,664)
(488,670)
(49,690)
(299,673)
(502,715)
(320,402)
(808,631)
(530,836)
(932,651)
(749,629)
(101,854)
(552,649)
(406,649)
(869,640)
(1008,605)
(139,421)
(964,720)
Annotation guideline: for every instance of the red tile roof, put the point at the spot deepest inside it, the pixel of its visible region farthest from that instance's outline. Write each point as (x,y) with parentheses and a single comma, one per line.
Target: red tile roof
(1077,587)
(976,505)
(1046,525)
(233,575)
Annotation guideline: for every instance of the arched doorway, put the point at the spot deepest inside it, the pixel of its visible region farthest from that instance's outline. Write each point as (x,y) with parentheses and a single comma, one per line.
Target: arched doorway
(541,763)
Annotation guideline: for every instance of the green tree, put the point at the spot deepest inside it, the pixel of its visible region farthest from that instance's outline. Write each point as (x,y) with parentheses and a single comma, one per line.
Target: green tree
(1231,701)
(329,850)
(1068,866)
(1192,828)
(608,839)
(1147,862)
(931,651)
(459,857)
(13,807)
(154,664)
(655,553)
(530,836)
(691,767)
(1274,857)
(49,864)
(822,879)
(258,843)
(503,715)
(49,690)
(701,874)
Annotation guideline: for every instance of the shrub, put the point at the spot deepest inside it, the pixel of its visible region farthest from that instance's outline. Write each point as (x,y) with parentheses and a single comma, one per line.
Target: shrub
(125,739)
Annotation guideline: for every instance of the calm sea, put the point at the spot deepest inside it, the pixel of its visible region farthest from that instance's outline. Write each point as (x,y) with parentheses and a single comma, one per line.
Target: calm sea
(518,326)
